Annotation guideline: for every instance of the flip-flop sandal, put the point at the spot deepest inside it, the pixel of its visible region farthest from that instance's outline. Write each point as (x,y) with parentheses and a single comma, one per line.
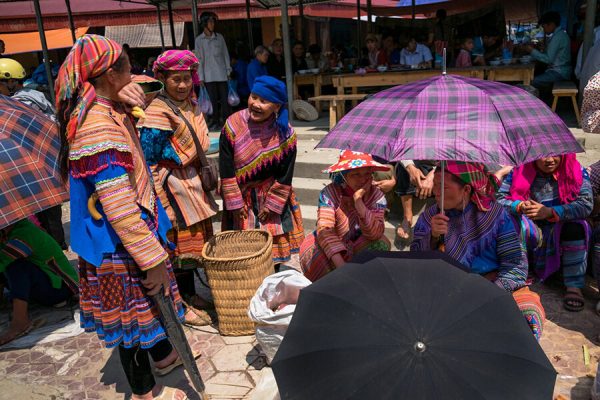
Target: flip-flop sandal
(573,302)
(35,324)
(169,393)
(167,370)
(406,228)
(201,317)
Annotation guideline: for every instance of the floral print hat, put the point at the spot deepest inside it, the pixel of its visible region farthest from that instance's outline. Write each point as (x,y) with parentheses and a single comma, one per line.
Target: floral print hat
(350,160)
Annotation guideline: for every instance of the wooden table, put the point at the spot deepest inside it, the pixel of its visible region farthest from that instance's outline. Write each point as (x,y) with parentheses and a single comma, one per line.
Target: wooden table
(511,73)
(315,80)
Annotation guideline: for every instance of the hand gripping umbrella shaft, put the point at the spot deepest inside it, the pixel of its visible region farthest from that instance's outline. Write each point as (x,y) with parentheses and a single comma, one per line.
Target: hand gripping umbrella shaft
(178,340)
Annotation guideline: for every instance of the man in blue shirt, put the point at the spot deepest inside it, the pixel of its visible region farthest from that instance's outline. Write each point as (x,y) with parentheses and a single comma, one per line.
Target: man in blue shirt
(416,54)
(257,66)
(557,54)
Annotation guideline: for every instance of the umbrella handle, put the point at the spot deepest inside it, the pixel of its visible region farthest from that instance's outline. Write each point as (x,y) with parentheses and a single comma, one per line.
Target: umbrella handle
(91,205)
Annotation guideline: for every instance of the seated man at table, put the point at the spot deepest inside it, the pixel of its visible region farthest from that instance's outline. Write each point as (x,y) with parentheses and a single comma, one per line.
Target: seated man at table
(416,54)
(557,54)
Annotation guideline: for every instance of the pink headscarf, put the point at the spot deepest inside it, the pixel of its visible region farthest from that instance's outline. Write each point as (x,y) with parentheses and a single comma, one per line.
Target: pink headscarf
(568,175)
(178,60)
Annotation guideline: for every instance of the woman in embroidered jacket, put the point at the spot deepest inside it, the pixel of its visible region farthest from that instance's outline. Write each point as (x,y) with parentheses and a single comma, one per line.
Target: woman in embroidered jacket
(256,163)
(122,259)
(171,153)
(550,199)
(350,217)
(478,233)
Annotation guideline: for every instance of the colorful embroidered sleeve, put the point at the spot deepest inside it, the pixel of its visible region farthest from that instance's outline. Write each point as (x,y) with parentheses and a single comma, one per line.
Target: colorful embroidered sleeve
(327,236)
(157,147)
(280,191)
(118,201)
(582,206)
(12,250)
(230,190)
(503,193)
(512,262)
(373,223)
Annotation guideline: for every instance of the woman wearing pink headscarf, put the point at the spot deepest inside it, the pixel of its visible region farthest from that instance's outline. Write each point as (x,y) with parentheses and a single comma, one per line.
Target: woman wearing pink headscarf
(550,198)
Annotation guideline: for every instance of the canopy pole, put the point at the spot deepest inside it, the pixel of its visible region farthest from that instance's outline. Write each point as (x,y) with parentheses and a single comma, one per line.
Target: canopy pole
(160,28)
(287,55)
(195,18)
(414,9)
(358,34)
(171,24)
(369,17)
(71,23)
(249,25)
(588,36)
(302,22)
(40,24)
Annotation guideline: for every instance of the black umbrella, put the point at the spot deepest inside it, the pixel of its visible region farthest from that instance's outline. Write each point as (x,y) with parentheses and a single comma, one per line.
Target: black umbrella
(409,326)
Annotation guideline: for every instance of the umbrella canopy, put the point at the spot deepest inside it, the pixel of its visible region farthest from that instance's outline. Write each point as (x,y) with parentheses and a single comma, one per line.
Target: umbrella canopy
(409,326)
(451,117)
(29,170)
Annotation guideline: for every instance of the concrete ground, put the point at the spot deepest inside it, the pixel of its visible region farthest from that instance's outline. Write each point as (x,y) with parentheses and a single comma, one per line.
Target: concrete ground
(80,368)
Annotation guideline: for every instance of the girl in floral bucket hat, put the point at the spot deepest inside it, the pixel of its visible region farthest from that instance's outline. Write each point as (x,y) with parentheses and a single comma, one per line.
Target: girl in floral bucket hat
(349,218)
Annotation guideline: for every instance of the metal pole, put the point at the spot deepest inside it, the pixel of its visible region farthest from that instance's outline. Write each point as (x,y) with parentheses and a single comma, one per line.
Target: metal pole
(71,23)
(249,24)
(588,36)
(160,29)
(40,24)
(369,16)
(287,54)
(359,38)
(195,18)
(302,22)
(414,9)
(171,24)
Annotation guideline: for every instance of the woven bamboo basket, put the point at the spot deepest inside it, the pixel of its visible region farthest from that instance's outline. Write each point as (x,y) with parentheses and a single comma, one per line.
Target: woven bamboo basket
(236,263)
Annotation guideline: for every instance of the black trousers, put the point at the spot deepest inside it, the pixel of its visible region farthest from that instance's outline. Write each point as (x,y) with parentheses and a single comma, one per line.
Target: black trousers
(51,221)
(218,91)
(136,365)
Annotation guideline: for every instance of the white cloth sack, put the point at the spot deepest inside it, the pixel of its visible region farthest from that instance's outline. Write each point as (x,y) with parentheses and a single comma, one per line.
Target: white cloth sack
(272,308)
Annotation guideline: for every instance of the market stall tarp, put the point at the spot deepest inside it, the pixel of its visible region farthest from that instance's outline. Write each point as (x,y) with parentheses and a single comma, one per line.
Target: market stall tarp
(145,35)
(30,41)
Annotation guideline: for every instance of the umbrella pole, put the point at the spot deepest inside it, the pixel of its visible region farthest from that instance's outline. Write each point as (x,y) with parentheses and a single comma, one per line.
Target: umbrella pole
(444,65)
(441,245)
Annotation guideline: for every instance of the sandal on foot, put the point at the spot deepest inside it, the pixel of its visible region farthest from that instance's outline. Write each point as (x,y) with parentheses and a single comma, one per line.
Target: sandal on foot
(169,393)
(406,228)
(199,317)
(178,362)
(573,301)
(35,324)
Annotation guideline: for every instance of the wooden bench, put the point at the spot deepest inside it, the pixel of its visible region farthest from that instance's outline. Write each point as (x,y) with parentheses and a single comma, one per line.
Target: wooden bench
(566,89)
(336,101)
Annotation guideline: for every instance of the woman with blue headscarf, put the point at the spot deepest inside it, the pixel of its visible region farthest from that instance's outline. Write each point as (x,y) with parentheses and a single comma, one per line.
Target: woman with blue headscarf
(256,163)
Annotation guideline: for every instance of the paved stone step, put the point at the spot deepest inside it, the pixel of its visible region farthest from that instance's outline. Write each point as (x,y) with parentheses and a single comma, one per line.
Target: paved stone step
(308,189)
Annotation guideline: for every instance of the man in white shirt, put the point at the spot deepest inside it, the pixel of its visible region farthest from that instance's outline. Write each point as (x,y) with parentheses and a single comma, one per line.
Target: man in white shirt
(416,54)
(214,69)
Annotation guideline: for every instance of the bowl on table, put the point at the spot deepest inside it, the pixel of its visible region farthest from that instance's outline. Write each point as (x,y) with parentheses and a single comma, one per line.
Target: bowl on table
(303,71)
(314,71)
(495,63)
(507,61)
(382,68)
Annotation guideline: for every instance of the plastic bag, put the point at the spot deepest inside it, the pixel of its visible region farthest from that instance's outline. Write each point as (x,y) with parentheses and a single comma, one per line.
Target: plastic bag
(204,101)
(272,308)
(232,98)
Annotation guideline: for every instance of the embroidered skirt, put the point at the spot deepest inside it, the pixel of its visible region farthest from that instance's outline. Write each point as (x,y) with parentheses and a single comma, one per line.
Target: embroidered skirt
(114,304)
(189,242)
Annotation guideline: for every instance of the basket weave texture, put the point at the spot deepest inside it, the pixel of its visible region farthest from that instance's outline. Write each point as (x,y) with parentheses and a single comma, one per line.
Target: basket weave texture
(236,264)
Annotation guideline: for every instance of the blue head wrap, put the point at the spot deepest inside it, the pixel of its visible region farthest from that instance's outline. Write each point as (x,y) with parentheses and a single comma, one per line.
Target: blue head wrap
(273,90)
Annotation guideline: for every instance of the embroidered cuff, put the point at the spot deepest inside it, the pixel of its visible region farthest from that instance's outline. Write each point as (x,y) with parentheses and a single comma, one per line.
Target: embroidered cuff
(515,207)
(232,196)
(277,197)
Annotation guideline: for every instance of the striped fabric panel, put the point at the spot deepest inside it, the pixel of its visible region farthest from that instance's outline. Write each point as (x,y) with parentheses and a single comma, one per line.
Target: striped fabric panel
(17,248)
(277,197)
(121,208)
(231,193)
(513,271)
(328,236)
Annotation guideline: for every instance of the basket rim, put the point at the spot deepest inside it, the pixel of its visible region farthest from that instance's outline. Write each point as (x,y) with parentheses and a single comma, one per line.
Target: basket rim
(268,243)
